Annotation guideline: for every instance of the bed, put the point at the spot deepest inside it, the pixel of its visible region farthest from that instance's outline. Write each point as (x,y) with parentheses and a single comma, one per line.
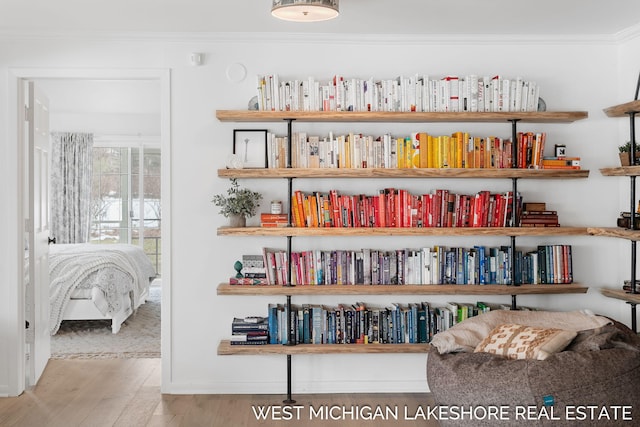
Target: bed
(97,282)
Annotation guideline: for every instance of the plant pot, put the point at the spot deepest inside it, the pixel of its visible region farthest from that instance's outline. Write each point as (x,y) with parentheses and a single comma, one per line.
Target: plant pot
(624,158)
(236,221)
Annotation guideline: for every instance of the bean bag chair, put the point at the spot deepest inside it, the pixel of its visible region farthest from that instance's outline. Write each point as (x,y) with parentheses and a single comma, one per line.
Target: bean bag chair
(591,378)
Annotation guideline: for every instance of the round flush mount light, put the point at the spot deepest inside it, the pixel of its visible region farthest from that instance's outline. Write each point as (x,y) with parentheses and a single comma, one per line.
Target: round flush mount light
(305,10)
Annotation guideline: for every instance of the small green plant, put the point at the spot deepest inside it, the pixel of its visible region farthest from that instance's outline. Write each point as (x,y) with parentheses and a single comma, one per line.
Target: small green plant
(627,147)
(238,201)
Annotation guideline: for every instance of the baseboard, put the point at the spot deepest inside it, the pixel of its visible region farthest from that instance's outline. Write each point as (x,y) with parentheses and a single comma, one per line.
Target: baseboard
(320,387)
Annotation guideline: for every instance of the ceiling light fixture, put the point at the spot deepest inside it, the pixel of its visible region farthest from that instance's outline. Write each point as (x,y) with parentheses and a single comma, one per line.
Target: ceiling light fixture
(305,10)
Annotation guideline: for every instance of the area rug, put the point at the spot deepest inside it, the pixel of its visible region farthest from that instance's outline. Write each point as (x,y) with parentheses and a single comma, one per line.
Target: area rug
(139,336)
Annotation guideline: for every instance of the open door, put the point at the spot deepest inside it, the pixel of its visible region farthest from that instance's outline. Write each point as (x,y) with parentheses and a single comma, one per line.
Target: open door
(38,339)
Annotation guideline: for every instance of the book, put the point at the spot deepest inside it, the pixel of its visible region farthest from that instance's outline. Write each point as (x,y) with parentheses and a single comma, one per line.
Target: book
(250,325)
(253,267)
(248,281)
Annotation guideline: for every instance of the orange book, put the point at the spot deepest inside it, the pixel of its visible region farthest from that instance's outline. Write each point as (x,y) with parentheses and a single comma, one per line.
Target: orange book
(295,213)
(476,152)
(300,205)
(313,208)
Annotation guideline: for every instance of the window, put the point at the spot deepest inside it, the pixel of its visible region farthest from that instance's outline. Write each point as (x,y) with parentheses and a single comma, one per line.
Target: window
(126,203)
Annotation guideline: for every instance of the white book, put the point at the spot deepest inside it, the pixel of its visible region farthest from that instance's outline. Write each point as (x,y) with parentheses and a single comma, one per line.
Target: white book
(487,94)
(276,93)
(506,92)
(524,101)
(339,95)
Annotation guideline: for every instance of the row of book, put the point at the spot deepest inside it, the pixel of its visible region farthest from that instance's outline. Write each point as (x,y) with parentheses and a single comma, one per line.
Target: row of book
(393,207)
(478,265)
(360,323)
(416,93)
(418,150)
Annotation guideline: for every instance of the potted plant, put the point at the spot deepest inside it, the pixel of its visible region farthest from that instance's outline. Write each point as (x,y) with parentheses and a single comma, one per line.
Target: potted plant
(624,153)
(237,204)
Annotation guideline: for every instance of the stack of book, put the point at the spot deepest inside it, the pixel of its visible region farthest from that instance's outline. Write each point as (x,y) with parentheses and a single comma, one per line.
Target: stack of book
(274,220)
(536,215)
(252,330)
(624,220)
(561,163)
(253,271)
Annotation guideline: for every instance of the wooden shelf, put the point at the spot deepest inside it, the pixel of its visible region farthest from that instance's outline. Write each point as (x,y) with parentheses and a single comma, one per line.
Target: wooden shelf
(225,348)
(401,231)
(621,233)
(622,110)
(404,173)
(621,295)
(621,171)
(272,290)
(399,117)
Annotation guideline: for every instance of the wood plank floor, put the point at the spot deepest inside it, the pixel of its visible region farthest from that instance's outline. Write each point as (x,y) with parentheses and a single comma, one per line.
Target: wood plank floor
(126,393)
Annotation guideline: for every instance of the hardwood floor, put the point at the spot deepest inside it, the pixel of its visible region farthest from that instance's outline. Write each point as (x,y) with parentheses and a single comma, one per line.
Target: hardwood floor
(126,393)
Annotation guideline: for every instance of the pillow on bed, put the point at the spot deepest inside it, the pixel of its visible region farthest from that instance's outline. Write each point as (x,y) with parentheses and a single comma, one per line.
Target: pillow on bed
(525,342)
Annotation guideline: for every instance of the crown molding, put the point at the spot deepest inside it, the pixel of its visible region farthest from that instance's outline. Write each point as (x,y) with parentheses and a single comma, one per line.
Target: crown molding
(310,38)
(628,34)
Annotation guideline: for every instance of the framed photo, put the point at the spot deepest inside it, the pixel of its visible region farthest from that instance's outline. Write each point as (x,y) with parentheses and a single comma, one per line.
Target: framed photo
(560,150)
(250,145)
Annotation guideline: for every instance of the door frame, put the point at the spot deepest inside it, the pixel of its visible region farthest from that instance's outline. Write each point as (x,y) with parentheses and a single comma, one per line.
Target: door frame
(16,364)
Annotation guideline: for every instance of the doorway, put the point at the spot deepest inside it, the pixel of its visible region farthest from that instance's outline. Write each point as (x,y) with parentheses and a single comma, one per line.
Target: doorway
(154,78)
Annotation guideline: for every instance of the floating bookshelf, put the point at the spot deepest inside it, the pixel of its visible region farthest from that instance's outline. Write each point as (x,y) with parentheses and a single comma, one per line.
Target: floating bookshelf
(399,117)
(620,233)
(621,171)
(484,173)
(262,290)
(623,110)
(621,295)
(225,348)
(402,231)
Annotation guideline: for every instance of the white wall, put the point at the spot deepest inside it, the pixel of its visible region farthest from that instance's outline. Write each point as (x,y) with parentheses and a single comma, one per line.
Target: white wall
(573,76)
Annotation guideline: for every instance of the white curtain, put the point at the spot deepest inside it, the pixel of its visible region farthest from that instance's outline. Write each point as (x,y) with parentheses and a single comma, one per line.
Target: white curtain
(71,167)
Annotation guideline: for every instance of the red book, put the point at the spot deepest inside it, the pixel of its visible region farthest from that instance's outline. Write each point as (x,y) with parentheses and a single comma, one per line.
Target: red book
(382,209)
(335,209)
(426,210)
(477,211)
(390,206)
(437,208)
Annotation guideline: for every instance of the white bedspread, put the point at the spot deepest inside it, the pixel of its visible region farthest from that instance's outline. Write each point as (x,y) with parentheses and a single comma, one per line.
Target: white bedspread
(114,269)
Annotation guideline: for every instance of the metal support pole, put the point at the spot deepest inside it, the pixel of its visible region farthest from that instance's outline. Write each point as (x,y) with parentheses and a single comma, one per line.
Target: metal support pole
(632,205)
(290,335)
(633,315)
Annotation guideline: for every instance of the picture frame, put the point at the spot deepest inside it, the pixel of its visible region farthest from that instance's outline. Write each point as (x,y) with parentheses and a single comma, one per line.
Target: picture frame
(250,145)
